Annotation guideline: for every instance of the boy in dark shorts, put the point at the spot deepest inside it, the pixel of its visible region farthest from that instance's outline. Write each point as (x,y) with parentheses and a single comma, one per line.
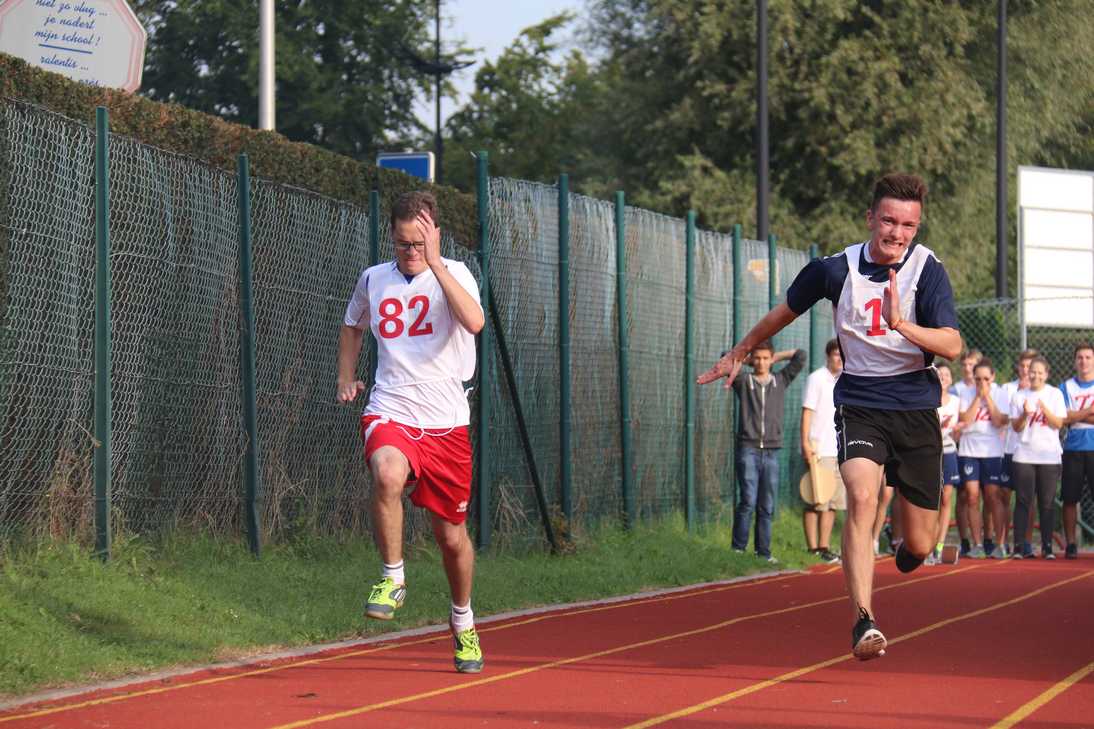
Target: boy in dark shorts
(893,312)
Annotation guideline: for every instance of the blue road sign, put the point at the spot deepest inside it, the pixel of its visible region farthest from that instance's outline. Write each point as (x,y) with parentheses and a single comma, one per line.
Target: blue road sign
(419,164)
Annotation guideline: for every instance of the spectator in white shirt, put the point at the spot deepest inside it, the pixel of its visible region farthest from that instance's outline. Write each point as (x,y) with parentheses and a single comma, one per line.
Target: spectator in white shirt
(969,359)
(984,413)
(1037,413)
(818,439)
(949,414)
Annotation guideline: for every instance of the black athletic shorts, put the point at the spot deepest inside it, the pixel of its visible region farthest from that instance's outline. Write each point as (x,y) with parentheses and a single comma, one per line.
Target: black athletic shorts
(908,443)
(1078,472)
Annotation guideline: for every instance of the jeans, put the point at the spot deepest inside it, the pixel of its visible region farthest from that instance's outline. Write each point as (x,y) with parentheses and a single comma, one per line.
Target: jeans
(757,478)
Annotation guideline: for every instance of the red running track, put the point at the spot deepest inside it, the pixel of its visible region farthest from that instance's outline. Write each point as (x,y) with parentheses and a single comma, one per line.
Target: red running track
(979,644)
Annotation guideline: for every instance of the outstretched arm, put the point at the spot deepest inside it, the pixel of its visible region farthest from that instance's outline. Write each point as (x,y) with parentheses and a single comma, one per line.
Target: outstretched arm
(730,364)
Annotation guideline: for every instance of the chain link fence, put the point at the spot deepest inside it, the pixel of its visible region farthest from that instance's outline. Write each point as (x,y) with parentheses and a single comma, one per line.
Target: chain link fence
(178,439)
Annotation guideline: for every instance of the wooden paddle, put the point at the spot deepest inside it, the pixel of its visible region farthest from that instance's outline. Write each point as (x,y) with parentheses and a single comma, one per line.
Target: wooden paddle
(818,485)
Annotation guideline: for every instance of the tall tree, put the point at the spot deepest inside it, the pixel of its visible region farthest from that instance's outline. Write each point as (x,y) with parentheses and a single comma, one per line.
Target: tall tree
(529,109)
(856,89)
(343,71)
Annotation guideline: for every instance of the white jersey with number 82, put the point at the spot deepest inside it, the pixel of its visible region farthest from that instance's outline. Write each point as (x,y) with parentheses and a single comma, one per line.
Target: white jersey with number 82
(425,354)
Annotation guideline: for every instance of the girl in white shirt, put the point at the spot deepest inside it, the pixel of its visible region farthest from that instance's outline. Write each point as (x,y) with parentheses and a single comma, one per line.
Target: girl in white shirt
(984,414)
(1036,415)
(948,416)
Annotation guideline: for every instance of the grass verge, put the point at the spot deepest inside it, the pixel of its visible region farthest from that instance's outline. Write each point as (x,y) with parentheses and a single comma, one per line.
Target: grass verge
(70,619)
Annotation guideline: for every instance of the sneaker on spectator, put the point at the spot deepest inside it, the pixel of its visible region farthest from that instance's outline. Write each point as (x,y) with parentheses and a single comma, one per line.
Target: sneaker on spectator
(1046,552)
(1072,551)
(1027,551)
(965,548)
(977,552)
(828,555)
(997,553)
(770,559)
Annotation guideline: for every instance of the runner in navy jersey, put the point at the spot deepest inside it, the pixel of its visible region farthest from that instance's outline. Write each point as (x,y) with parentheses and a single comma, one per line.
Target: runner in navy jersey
(893,312)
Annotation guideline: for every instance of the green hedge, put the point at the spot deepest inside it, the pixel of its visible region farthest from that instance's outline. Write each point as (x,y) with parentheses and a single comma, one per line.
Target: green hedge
(211,139)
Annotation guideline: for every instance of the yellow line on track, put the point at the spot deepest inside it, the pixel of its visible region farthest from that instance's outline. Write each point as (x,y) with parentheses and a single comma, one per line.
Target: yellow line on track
(589,656)
(725,698)
(388,647)
(1036,703)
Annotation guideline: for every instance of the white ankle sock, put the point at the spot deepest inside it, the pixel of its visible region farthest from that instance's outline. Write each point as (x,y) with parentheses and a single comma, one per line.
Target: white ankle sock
(462,617)
(395,572)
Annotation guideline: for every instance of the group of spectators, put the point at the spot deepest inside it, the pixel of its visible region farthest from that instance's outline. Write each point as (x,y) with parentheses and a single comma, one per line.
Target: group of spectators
(998,440)
(1006,439)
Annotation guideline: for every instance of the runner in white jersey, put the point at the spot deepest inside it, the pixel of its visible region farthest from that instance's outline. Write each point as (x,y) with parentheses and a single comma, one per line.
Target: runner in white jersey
(1078,461)
(1037,413)
(423,310)
(893,313)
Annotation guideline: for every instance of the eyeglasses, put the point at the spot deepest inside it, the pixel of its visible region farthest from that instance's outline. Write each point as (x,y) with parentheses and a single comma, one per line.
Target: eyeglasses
(405,247)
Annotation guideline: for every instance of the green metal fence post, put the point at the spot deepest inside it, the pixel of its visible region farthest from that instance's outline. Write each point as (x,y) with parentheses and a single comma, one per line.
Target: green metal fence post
(772,272)
(486,361)
(738,333)
(630,510)
(772,299)
(373,259)
(689,373)
(814,323)
(564,405)
(253,461)
(103,394)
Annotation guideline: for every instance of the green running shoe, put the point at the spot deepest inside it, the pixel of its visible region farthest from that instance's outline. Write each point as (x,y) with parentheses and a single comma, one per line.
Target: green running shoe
(468,653)
(386,597)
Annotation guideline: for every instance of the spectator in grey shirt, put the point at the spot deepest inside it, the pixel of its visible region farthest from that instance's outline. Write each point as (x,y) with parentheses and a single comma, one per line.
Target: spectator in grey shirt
(762,395)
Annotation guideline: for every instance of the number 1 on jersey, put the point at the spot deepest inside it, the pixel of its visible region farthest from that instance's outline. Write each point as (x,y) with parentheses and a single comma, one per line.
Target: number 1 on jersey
(875,330)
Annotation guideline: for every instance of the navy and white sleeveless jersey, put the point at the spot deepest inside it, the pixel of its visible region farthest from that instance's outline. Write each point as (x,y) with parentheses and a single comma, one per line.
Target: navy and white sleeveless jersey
(881,369)
(1078,395)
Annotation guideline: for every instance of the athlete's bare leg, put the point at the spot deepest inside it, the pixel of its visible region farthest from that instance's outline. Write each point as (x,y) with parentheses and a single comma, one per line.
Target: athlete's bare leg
(919,528)
(390,470)
(971,492)
(987,513)
(885,496)
(963,515)
(862,478)
(944,515)
(997,500)
(810,521)
(827,521)
(458,556)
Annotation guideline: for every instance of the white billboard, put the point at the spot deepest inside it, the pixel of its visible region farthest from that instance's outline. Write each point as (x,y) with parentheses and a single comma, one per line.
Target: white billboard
(1056,247)
(97,42)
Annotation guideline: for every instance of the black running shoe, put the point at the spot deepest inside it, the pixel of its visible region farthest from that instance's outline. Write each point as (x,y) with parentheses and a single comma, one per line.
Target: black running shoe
(1072,551)
(866,640)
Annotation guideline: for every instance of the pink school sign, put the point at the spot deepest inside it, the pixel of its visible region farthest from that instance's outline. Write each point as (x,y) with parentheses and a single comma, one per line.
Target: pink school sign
(97,42)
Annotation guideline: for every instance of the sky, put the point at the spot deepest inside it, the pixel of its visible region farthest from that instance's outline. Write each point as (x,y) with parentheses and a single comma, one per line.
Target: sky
(490,25)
